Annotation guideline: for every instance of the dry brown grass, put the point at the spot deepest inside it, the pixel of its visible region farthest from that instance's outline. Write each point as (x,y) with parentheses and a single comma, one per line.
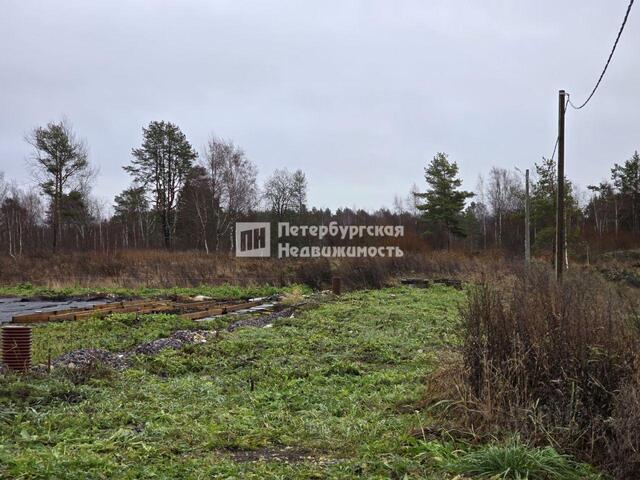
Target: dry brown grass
(554,363)
(137,268)
(159,268)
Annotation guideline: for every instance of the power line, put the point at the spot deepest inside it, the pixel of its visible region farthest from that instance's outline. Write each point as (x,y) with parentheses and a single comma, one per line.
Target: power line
(555,147)
(615,44)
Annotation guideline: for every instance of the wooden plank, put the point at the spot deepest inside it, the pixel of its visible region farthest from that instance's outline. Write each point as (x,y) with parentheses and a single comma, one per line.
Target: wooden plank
(204,303)
(203,314)
(200,310)
(44,316)
(70,315)
(242,306)
(31,318)
(220,310)
(128,309)
(81,314)
(197,305)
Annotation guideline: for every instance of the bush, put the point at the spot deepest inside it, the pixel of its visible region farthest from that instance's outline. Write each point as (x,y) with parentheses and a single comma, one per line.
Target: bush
(555,362)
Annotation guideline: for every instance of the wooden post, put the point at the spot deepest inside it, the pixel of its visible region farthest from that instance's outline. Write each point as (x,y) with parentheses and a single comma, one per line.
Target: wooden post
(588,257)
(560,236)
(527,208)
(336,285)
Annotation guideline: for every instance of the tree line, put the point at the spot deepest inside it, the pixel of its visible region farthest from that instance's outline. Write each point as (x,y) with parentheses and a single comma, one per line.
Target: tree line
(182,198)
(605,217)
(178,197)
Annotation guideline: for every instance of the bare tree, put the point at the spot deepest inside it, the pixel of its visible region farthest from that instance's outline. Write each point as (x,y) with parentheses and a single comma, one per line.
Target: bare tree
(505,196)
(4,188)
(279,193)
(481,209)
(4,220)
(59,160)
(600,205)
(411,202)
(197,194)
(398,205)
(97,211)
(20,212)
(131,210)
(232,187)
(299,191)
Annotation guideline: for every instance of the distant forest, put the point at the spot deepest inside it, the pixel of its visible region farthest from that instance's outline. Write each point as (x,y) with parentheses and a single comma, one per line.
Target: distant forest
(183,199)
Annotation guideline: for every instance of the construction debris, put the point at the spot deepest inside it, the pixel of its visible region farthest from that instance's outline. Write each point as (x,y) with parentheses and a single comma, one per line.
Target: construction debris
(87,357)
(261,321)
(91,357)
(426,283)
(177,340)
(191,309)
(416,282)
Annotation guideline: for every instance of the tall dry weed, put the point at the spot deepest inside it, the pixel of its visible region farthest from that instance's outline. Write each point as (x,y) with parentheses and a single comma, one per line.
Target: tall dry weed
(554,362)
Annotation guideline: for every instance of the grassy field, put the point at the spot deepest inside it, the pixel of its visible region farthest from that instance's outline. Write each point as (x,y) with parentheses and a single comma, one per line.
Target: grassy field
(330,393)
(216,292)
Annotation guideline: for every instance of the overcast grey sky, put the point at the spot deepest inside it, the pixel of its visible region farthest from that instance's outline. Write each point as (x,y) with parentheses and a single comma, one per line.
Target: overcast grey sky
(359,94)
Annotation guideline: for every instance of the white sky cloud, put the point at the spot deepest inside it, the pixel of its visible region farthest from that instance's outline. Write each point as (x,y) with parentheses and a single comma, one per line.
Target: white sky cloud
(359,94)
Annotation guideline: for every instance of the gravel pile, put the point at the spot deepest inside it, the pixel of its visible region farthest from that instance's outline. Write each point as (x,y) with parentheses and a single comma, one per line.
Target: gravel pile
(86,357)
(262,320)
(177,340)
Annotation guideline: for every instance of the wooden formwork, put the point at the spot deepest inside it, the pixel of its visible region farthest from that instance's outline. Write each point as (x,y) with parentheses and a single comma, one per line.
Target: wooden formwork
(219,310)
(188,310)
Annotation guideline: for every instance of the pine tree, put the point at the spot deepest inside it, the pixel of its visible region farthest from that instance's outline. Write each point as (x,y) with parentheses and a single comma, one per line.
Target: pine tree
(444,202)
(162,165)
(543,206)
(626,178)
(60,160)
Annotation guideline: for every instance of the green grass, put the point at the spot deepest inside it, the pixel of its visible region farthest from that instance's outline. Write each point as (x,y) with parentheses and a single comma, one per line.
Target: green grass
(513,461)
(217,292)
(328,389)
(116,332)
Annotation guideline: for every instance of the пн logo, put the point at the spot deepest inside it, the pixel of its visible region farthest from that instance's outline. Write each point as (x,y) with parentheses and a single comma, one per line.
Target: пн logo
(253,239)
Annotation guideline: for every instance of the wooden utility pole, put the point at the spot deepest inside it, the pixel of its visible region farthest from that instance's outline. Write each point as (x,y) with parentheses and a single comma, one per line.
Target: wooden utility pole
(560,236)
(527,210)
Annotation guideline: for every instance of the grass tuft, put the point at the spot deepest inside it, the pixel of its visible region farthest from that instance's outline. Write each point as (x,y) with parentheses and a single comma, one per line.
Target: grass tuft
(518,462)
(511,461)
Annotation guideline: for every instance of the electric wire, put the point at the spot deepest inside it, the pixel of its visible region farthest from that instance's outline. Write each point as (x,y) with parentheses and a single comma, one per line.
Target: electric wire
(604,70)
(555,147)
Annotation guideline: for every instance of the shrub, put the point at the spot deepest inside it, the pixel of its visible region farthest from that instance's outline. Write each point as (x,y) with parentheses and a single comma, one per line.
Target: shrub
(555,362)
